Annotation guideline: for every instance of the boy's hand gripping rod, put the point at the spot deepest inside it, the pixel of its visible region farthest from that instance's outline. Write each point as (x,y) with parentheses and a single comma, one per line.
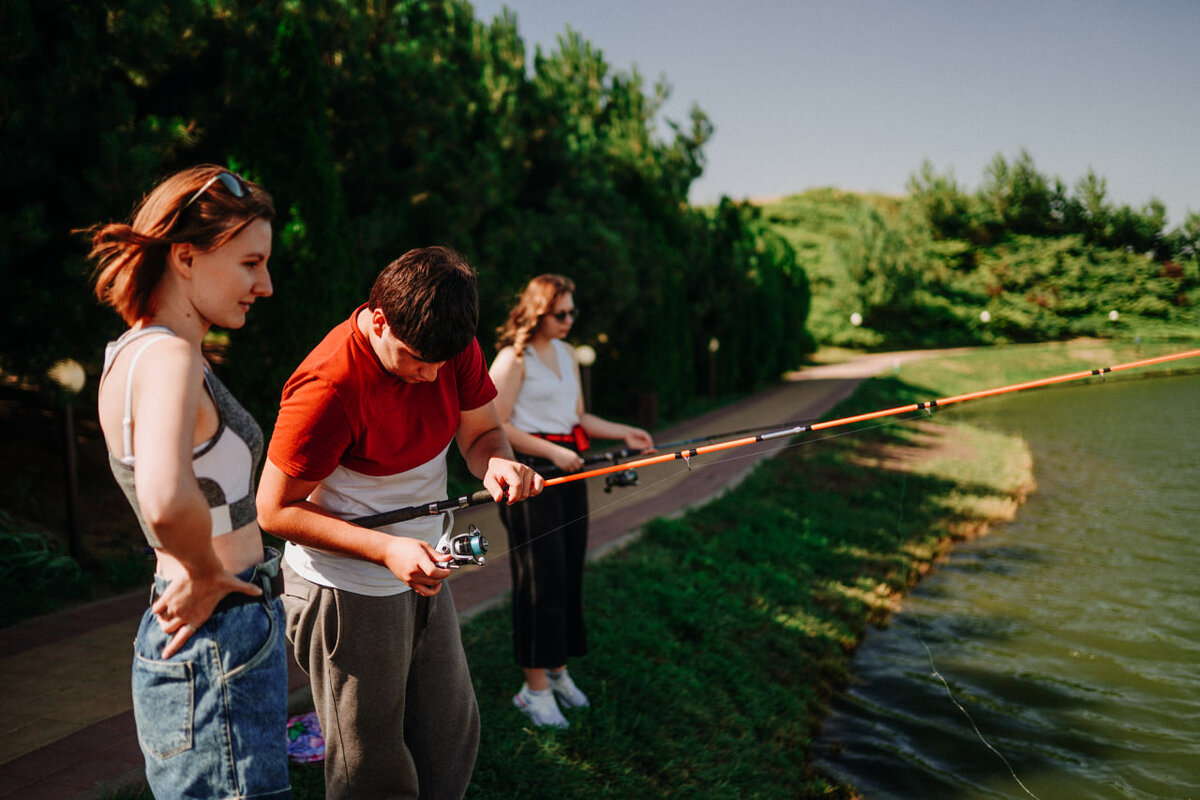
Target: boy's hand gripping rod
(483,496)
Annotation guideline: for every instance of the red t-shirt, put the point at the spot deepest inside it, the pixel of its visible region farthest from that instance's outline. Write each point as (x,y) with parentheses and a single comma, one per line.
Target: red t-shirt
(341,407)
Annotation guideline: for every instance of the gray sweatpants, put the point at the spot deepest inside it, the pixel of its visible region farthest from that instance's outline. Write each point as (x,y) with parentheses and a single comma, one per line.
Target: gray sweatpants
(391,687)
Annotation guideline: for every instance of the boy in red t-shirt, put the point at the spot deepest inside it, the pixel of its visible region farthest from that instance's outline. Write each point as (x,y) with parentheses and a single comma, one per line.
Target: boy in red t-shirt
(364,426)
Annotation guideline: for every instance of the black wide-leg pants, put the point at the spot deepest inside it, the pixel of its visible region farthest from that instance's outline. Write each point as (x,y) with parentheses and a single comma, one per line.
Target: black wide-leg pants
(548,547)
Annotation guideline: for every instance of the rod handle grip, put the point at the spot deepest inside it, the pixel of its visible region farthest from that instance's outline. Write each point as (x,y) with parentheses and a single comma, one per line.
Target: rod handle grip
(412,512)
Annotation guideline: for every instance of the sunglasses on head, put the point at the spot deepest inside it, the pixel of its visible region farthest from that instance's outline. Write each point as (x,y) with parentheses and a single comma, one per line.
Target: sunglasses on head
(562,316)
(232,183)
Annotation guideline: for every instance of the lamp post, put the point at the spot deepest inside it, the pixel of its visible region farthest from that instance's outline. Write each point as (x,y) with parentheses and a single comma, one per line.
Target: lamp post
(587,356)
(713,346)
(69,375)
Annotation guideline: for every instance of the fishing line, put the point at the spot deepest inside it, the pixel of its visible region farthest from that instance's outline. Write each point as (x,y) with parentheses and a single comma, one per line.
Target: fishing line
(959,706)
(929,653)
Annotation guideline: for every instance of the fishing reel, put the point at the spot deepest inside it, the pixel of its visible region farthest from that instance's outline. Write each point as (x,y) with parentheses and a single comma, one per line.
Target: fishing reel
(626,477)
(462,548)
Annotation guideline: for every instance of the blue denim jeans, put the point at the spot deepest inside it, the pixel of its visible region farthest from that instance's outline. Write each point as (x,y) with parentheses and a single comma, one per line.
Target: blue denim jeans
(212,719)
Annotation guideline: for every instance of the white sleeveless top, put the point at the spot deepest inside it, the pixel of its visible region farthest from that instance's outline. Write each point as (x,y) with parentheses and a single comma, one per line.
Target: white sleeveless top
(546,402)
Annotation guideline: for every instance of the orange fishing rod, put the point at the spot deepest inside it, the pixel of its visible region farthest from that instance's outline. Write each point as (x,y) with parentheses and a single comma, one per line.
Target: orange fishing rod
(687,455)
(483,496)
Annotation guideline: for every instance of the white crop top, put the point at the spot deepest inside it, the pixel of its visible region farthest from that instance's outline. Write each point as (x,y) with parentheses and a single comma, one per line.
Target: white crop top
(226,466)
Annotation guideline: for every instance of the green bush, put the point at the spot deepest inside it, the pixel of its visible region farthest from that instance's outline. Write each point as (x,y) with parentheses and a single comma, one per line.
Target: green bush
(1042,262)
(35,575)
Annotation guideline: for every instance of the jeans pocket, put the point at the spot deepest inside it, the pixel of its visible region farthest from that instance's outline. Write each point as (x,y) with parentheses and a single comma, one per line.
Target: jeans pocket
(163,705)
(249,636)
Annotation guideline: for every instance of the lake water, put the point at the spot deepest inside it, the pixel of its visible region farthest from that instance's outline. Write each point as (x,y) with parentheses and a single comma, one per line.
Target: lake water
(1059,656)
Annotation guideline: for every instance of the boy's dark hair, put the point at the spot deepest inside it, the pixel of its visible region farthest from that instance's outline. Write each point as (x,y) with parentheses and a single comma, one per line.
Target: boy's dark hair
(430,299)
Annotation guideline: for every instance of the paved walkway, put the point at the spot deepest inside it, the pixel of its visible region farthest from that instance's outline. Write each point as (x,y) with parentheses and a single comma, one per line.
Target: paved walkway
(66,719)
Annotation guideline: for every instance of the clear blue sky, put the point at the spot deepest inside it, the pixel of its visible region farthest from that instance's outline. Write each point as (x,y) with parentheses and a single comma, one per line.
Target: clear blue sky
(857,93)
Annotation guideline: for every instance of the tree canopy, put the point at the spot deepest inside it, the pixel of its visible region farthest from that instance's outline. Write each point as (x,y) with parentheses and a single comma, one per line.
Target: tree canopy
(379,128)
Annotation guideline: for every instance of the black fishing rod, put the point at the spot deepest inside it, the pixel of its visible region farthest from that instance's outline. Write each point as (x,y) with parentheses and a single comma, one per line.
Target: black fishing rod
(483,496)
(428,510)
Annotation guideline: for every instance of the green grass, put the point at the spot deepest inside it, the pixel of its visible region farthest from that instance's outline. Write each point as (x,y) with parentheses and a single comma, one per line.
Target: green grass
(37,576)
(719,638)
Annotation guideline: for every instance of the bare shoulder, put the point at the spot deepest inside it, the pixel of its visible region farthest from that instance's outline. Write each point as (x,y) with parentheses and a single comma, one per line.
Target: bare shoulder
(506,361)
(171,353)
(156,357)
(168,372)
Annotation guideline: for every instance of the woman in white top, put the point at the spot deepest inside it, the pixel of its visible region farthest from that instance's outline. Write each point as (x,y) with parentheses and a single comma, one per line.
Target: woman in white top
(541,408)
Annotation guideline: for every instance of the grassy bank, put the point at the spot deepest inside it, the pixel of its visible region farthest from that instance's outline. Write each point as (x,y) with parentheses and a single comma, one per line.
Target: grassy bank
(718,638)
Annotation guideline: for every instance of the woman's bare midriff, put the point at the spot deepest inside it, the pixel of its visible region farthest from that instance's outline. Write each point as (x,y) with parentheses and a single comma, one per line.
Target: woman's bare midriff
(237,550)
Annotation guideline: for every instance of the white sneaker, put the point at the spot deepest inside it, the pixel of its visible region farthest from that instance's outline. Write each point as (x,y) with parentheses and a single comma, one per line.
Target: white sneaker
(540,707)
(565,690)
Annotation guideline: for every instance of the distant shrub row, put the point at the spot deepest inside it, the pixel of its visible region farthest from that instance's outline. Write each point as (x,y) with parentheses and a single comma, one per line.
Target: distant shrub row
(1023,259)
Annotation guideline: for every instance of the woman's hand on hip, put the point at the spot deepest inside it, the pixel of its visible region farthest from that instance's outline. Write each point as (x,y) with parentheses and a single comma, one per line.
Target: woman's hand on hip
(188,602)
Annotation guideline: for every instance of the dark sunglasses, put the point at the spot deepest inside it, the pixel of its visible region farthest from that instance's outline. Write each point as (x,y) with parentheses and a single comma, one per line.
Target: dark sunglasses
(561,316)
(232,183)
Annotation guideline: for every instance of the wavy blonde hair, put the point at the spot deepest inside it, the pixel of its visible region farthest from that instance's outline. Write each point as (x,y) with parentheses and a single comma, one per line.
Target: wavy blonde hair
(536,300)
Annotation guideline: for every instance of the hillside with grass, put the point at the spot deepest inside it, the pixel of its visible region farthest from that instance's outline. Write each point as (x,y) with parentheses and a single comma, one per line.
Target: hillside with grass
(1022,259)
